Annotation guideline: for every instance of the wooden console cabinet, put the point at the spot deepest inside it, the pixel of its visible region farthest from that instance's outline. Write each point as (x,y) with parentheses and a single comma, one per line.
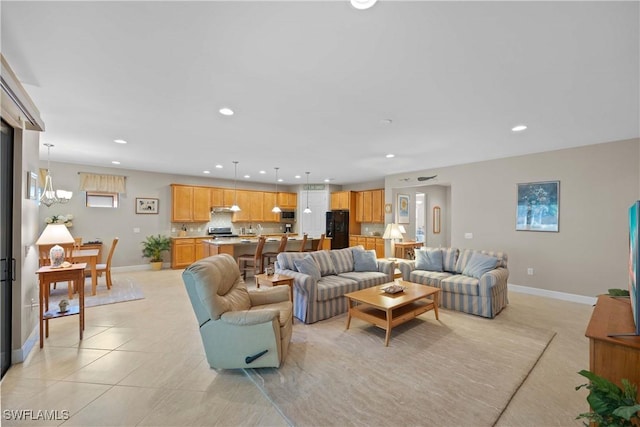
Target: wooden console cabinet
(611,357)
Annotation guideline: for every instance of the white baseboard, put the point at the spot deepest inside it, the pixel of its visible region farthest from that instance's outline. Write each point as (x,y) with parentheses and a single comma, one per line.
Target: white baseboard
(552,294)
(19,355)
(141,267)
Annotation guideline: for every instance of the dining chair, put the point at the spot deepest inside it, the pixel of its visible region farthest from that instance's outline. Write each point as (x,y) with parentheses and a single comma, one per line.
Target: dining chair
(77,242)
(252,261)
(302,244)
(106,268)
(318,246)
(268,256)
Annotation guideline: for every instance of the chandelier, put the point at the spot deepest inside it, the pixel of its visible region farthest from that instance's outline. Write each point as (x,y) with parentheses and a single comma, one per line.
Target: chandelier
(49,196)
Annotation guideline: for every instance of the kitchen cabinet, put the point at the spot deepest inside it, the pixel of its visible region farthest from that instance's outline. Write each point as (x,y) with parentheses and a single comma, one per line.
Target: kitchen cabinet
(287,200)
(186,251)
(370,206)
(222,197)
(343,200)
(244,200)
(190,203)
(268,202)
(256,207)
(369,243)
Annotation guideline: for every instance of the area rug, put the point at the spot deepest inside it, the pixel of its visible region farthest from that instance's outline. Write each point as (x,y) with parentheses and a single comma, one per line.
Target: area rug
(123,288)
(459,371)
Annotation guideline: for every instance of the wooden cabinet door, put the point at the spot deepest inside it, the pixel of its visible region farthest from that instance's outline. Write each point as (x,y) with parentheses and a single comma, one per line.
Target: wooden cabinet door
(181,202)
(216,196)
(268,202)
(199,249)
(255,206)
(369,243)
(229,197)
(340,200)
(201,204)
(353,240)
(377,206)
(359,205)
(182,253)
(379,247)
(244,215)
(288,200)
(366,203)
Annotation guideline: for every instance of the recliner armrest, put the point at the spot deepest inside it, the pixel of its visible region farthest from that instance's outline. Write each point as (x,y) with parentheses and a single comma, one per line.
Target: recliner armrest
(247,318)
(269,295)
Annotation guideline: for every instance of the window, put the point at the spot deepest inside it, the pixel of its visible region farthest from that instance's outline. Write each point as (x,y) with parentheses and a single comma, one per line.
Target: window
(102,200)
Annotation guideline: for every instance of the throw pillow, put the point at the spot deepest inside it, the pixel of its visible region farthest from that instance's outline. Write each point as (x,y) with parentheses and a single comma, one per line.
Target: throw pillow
(307,265)
(429,259)
(479,264)
(323,259)
(365,261)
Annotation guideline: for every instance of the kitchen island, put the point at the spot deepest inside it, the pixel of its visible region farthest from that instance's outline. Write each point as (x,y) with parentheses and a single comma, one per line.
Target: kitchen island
(240,246)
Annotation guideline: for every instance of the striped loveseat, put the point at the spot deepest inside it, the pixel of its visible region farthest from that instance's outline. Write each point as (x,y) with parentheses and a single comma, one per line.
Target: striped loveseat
(322,296)
(484,295)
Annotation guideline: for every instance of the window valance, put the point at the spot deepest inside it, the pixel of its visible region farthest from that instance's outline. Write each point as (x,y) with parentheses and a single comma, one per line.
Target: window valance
(103,183)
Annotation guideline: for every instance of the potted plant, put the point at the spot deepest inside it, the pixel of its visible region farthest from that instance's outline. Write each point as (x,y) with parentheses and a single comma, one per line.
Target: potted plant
(153,248)
(610,405)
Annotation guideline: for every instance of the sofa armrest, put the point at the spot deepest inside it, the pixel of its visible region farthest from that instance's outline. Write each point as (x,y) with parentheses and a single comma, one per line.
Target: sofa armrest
(302,282)
(387,267)
(269,295)
(406,267)
(247,317)
(496,277)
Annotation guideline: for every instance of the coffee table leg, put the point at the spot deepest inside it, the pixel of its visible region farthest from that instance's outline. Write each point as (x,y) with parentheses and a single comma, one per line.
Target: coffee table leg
(349,302)
(436,303)
(388,334)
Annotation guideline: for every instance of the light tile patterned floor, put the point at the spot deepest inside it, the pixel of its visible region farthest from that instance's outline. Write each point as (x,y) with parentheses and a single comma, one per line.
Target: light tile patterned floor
(142,363)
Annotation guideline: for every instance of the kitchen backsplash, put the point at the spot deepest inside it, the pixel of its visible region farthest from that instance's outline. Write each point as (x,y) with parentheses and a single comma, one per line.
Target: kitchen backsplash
(223,219)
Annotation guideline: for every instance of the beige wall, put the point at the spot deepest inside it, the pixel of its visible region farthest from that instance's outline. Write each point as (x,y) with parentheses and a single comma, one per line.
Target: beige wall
(597,185)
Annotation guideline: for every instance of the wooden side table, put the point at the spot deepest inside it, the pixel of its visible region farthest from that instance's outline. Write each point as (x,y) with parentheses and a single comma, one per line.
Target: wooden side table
(275,280)
(403,249)
(48,275)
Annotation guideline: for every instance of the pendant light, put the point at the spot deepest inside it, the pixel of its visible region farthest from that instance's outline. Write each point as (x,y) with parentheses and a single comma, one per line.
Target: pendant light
(235,207)
(276,209)
(307,210)
(49,196)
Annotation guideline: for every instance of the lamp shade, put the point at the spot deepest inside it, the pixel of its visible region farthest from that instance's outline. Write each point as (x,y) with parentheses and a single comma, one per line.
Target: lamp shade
(392,232)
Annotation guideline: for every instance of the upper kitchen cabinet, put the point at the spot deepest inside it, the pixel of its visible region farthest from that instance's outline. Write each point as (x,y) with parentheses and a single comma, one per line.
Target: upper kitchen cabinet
(222,197)
(190,203)
(288,200)
(268,202)
(343,200)
(370,206)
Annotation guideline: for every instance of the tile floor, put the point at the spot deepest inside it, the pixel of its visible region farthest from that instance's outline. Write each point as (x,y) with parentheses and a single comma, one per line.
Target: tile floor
(141,363)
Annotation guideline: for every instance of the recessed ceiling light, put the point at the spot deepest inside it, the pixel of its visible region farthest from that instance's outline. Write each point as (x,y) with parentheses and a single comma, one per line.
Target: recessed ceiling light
(247,176)
(218,166)
(225,111)
(280,179)
(390,156)
(297,177)
(119,141)
(518,128)
(263,172)
(386,121)
(115,162)
(363,4)
(206,171)
(327,180)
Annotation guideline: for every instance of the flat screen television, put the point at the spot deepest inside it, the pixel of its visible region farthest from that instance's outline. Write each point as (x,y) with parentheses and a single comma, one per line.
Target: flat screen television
(634,262)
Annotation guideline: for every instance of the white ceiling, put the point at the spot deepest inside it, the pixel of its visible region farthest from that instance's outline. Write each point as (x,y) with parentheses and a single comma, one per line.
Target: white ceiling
(311,82)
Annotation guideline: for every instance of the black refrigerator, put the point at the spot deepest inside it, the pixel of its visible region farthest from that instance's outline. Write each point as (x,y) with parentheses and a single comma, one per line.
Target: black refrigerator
(338,229)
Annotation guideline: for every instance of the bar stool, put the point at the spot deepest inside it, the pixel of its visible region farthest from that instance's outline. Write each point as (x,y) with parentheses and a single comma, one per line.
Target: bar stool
(319,246)
(268,256)
(302,245)
(252,261)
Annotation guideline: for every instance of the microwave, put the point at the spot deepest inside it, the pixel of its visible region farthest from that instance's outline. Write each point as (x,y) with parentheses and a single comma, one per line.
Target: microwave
(287,216)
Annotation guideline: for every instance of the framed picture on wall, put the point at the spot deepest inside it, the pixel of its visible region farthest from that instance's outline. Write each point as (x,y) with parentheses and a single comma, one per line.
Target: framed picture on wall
(146,206)
(538,206)
(32,185)
(403,209)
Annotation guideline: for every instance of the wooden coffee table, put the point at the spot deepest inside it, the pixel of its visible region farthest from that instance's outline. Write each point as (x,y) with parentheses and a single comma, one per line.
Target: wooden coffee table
(389,310)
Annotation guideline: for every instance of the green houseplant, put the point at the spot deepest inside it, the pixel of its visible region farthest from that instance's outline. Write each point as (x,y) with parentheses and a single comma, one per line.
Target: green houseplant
(611,406)
(153,247)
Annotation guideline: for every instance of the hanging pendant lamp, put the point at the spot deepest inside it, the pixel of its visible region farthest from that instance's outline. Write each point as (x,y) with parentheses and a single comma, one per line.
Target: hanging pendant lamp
(307,210)
(49,196)
(276,209)
(235,207)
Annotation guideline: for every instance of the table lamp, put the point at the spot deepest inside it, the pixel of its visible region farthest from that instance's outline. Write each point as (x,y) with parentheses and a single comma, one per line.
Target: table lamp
(392,232)
(55,234)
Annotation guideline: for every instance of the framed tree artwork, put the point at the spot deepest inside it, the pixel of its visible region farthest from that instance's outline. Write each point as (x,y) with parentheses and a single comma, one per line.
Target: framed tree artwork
(403,209)
(538,206)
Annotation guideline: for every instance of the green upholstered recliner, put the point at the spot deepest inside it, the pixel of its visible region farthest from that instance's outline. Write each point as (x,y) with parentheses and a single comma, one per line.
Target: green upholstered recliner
(239,328)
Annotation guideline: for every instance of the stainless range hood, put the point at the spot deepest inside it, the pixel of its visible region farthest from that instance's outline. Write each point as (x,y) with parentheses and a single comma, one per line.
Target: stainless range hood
(221,209)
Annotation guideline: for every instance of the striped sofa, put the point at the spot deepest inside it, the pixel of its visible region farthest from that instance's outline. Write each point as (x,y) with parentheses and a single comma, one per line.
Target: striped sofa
(485,296)
(318,299)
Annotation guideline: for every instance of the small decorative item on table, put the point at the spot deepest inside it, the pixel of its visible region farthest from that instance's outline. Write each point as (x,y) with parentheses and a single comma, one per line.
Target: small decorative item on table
(64,306)
(393,288)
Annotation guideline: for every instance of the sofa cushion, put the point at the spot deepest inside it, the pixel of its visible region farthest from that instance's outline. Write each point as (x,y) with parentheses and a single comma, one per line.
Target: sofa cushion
(479,264)
(463,259)
(460,284)
(364,261)
(367,279)
(342,260)
(308,265)
(330,287)
(285,259)
(429,259)
(449,258)
(323,259)
(429,278)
